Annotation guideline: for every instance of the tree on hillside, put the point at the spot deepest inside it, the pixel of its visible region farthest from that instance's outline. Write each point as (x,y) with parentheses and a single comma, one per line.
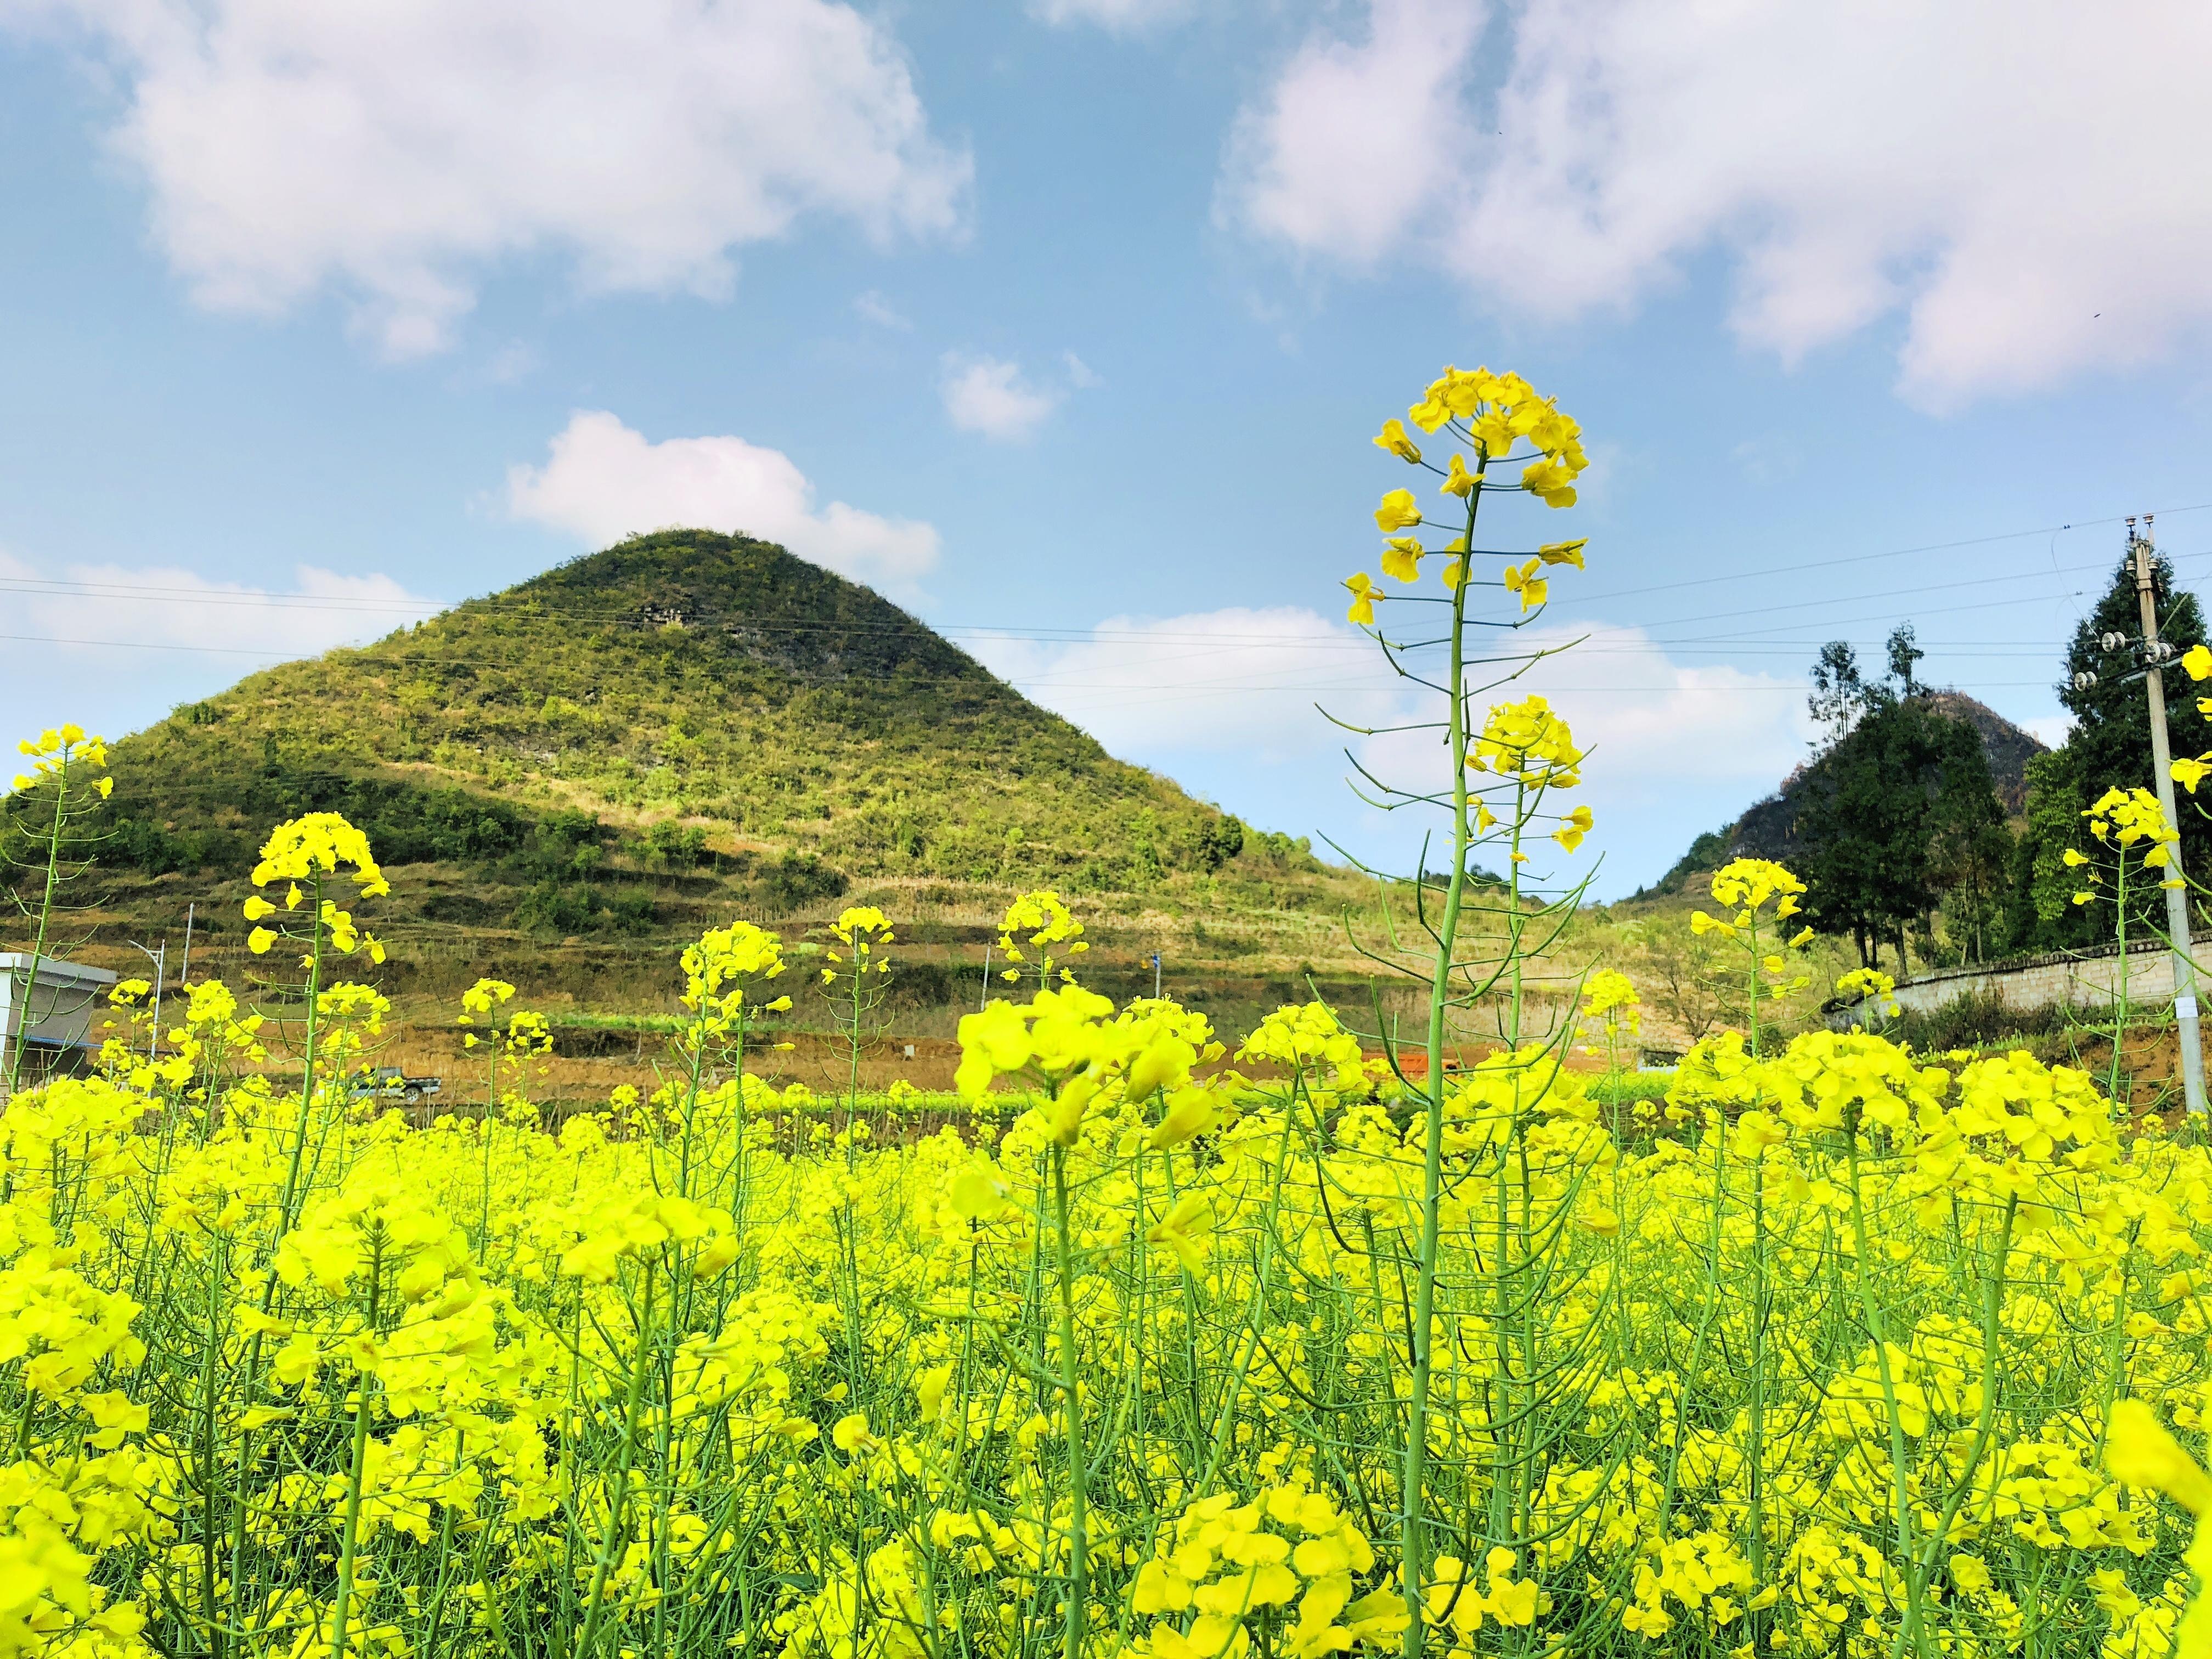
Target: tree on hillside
(2109,748)
(1839,692)
(1898,813)
(1689,982)
(1970,851)
(1842,694)
(2041,912)
(2110,744)
(1905,655)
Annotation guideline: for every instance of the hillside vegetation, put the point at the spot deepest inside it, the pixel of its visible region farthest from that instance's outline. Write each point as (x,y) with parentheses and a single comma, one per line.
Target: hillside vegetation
(592,766)
(714,682)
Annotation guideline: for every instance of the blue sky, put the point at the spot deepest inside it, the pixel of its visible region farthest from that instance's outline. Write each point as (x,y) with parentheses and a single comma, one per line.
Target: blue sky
(1067,325)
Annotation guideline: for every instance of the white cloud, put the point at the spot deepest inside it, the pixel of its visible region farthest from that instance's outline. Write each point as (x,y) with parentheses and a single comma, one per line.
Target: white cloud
(601,482)
(1241,681)
(1117,16)
(1674,748)
(1356,138)
(992,396)
(115,648)
(112,609)
(1080,374)
(874,308)
(2050,730)
(1223,700)
(1244,679)
(1959,162)
(1655,726)
(394,151)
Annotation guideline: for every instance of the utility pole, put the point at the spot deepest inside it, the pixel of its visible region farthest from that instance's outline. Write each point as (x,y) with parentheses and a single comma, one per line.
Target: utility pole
(2177,895)
(161,960)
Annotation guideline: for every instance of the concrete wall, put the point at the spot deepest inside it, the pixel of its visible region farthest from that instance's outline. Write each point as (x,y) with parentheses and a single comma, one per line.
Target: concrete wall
(2042,982)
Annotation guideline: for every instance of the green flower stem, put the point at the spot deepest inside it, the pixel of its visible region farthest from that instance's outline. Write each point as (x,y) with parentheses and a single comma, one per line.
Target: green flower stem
(357,1459)
(1078,1537)
(1923,1569)
(1412,1554)
(619,1505)
(1913,1633)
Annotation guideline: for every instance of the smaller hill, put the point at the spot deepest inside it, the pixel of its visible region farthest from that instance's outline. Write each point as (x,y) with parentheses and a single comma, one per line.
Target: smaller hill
(1767,828)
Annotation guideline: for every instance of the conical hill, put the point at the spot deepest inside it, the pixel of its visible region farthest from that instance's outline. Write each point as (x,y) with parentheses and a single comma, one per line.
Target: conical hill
(680,728)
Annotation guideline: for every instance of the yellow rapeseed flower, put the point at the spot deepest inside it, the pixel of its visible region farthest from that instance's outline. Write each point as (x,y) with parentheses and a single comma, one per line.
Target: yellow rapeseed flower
(1524,582)
(1397,512)
(1393,437)
(1365,594)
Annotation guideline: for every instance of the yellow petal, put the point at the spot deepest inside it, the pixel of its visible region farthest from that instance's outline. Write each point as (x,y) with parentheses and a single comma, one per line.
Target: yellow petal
(2139,1450)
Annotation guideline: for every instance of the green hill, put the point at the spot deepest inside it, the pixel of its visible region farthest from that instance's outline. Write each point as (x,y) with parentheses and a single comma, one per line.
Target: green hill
(681,728)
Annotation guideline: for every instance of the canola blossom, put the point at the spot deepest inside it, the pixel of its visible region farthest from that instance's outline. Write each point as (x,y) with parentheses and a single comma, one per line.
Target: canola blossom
(1840,1349)
(1490,417)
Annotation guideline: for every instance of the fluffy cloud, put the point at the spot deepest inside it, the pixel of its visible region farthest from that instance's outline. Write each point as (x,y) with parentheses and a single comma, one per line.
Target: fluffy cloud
(993,397)
(115,648)
(392,151)
(110,609)
(601,482)
(1674,748)
(1239,681)
(1356,138)
(1223,700)
(1655,726)
(1959,162)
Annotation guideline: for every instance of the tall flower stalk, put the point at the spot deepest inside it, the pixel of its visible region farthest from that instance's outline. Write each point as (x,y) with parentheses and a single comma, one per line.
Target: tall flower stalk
(1503,770)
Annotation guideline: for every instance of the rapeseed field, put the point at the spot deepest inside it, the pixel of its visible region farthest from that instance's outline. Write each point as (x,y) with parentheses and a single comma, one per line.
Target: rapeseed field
(1181,1344)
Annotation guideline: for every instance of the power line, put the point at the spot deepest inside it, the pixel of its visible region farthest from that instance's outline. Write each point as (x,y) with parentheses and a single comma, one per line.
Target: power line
(1879,617)
(495,605)
(1748,641)
(1892,553)
(1227,641)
